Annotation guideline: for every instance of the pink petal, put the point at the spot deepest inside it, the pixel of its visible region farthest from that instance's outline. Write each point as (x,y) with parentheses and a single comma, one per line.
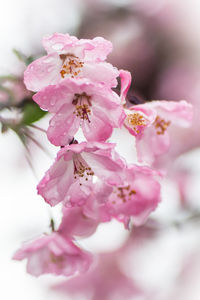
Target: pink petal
(101,72)
(104,167)
(178,112)
(96,129)
(92,50)
(58,41)
(125,77)
(76,223)
(43,72)
(63,126)
(100,51)
(56,182)
(151,145)
(103,106)
(53,97)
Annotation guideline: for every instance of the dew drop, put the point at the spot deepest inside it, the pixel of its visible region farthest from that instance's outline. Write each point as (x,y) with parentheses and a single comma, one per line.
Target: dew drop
(48,60)
(57,46)
(53,100)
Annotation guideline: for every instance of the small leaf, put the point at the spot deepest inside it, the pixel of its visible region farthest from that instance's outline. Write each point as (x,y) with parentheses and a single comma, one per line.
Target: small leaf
(26,59)
(8,77)
(32,113)
(29,60)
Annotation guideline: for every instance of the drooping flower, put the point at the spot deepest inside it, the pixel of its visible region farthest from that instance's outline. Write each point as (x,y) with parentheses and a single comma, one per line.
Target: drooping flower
(151,124)
(73,173)
(69,57)
(135,199)
(54,254)
(79,102)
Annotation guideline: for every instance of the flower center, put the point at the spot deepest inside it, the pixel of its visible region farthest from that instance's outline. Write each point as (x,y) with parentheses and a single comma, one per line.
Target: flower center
(161,125)
(82,106)
(71,65)
(81,168)
(135,120)
(56,259)
(124,193)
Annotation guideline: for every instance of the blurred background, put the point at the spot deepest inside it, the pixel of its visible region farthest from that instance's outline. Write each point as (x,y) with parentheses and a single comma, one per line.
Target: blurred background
(158,41)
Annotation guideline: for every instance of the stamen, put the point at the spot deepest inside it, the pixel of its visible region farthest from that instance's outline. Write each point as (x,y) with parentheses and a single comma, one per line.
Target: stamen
(136,120)
(82,103)
(56,259)
(124,193)
(161,125)
(81,168)
(71,65)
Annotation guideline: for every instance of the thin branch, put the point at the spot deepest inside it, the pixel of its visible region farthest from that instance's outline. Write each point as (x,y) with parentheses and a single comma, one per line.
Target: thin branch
(38,128)
(38,144)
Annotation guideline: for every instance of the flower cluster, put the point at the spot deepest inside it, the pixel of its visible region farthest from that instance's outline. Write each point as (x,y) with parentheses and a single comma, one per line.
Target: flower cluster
(90,180)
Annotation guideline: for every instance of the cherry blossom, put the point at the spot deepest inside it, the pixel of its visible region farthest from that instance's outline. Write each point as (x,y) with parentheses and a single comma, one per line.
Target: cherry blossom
(54,254)
(135,199)
(70,57)
(151,124)
(79,102)
(106,280)
(13,91)
(71,177)
(90,180)
(125,202)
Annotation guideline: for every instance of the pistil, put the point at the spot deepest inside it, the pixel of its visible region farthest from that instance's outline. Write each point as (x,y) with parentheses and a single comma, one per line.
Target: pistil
(82,104)
(81,168)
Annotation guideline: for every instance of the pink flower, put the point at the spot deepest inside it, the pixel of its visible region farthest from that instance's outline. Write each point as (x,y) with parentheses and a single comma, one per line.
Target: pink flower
(71,177)
(105,281)
(70,57)
(136,198)
(151,124)
(54,254)
(79,102)
(13,91)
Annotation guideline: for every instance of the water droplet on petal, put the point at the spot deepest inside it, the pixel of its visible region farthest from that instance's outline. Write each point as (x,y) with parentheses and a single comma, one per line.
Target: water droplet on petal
(57,46)
(53,100)
(49,60)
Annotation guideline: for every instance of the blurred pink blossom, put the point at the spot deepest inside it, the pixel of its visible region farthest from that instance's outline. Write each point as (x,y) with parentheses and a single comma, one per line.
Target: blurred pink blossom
(54,254)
